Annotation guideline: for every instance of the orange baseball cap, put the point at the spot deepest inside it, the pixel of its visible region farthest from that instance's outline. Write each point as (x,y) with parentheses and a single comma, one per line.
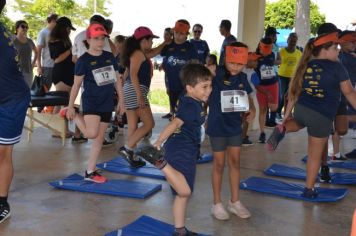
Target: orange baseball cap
(181,27)
(95,30)
(237,55)
(265,49)
(326,38)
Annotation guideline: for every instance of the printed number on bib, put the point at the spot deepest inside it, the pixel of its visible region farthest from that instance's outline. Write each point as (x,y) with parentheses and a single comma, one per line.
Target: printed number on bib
(104,75)
(234,101)
(267,72)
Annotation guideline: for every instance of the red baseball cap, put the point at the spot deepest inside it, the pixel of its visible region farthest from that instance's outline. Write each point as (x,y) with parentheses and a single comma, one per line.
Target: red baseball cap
(142,32)
(95,30)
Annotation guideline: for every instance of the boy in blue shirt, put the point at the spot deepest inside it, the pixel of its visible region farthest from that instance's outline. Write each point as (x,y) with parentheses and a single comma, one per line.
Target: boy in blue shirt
(181,140)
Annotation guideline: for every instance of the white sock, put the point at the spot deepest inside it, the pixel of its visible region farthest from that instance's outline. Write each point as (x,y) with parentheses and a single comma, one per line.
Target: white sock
(130,149)
(337,155)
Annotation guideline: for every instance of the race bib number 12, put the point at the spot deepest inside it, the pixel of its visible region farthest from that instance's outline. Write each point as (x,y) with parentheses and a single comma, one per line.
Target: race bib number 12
(104,75)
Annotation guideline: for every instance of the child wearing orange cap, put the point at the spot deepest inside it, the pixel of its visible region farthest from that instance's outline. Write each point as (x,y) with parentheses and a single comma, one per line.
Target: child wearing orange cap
(98,71)
(267,87)
(314,93)
(228,103)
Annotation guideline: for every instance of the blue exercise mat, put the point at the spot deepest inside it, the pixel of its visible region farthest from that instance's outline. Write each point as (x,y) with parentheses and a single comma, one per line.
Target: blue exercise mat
(145,226)
(205,158)
(119,165)
(116,187)
(298,173)
(291,190)
(351,165)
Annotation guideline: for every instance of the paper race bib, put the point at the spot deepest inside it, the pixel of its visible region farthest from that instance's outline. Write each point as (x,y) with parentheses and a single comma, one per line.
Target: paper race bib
(104,75)
(234,101)
(267,72)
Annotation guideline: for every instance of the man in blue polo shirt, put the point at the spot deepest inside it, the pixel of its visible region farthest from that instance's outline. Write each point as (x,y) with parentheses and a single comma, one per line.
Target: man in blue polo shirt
(225,28)
(14,100)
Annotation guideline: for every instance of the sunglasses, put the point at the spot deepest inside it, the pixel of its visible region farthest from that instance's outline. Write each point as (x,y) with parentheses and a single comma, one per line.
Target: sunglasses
(24,26)
(197,31)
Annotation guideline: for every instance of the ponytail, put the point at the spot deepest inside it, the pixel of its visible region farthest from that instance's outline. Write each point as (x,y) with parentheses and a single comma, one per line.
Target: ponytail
(295,87)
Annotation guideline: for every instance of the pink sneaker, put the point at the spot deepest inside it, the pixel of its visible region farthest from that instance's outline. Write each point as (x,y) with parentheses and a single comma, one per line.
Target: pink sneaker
(238,209)
(219,212)
(95,177)
(63,112)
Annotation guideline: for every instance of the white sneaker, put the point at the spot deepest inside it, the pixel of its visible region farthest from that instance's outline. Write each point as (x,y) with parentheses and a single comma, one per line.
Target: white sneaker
(219,212)
(238,209)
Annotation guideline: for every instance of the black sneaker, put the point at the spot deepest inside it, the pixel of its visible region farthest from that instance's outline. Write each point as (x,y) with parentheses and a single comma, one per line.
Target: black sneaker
(107,143)
(153,156)
(81,139)
(167,116)
(246,142)
(324,174)
(277,135)
(186,233)
(341,158)
(262,138)
(4,212)
(309,193)
(128,155)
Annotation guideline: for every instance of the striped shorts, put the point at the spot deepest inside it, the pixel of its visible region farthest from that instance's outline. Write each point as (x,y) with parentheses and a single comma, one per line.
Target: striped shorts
(130,96)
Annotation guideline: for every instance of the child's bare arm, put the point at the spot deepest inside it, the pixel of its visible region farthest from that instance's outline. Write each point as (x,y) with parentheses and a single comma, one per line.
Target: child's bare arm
(168,130)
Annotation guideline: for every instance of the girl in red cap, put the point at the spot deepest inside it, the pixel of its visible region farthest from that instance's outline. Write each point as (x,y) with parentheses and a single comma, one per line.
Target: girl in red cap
(98,71)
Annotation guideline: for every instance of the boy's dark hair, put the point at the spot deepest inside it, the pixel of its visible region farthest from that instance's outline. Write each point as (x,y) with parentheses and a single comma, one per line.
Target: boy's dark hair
(120,38)
(226,24)
(213,58)
(193,73)
(198,25)
(52,17)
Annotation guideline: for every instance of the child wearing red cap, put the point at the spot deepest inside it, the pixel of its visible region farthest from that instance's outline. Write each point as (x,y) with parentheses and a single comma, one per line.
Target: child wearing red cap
(228,103)
(97,70)
(135,57)
(314,93)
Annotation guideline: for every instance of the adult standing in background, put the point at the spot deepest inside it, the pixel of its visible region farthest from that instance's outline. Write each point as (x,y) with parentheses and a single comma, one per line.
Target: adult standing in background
(14,100)
(44,61)
(201,46)
(225,30)
(25,46)
(290,57)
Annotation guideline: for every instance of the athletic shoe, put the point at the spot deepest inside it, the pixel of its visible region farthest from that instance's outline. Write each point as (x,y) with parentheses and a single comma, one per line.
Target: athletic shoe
(324,174)
(81,139)
(63,112)
(277,135)
(219,212)
(95,177)
(309,193)
(4,212)
(107,143)
(153,156)
(186,233)
(167,116)
(341,158)
(351,154)
(246,142)
(238,209)
(128,155)
(262,138)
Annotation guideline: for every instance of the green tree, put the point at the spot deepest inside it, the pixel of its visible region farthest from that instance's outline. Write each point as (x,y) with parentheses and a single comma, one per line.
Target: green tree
(9,24)
(281,14)
(36,11)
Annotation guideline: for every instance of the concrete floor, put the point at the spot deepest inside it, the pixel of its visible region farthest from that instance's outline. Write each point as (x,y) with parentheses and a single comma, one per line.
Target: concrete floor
(38,209)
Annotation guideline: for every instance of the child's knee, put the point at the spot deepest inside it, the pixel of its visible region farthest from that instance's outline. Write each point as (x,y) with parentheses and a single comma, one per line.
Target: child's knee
(185,193)
(91,134)
(219,166)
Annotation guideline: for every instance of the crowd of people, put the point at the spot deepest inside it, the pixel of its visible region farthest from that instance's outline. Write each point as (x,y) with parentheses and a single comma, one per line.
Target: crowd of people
(317,82)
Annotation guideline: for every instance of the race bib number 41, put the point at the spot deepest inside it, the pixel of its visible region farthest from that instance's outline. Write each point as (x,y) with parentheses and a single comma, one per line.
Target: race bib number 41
(104,75)
(234,101)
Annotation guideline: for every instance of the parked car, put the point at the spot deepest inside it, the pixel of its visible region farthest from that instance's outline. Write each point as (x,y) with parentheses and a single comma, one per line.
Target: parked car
(157,61)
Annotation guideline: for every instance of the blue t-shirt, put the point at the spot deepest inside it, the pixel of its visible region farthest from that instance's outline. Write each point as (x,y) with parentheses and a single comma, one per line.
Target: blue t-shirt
(265,70)
(202,48)
(144,74)
(96,98)
(225,124)
(349,62)
(191,112)
(227,40)
(12,84)
(321,86)
(177,55)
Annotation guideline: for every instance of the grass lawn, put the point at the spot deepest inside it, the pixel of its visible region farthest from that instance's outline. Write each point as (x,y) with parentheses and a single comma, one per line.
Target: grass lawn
(159,97)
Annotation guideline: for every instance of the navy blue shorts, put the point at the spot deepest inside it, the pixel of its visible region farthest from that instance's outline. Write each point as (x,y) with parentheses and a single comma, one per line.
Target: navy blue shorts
(12,119)
(350,110)
(181,154)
